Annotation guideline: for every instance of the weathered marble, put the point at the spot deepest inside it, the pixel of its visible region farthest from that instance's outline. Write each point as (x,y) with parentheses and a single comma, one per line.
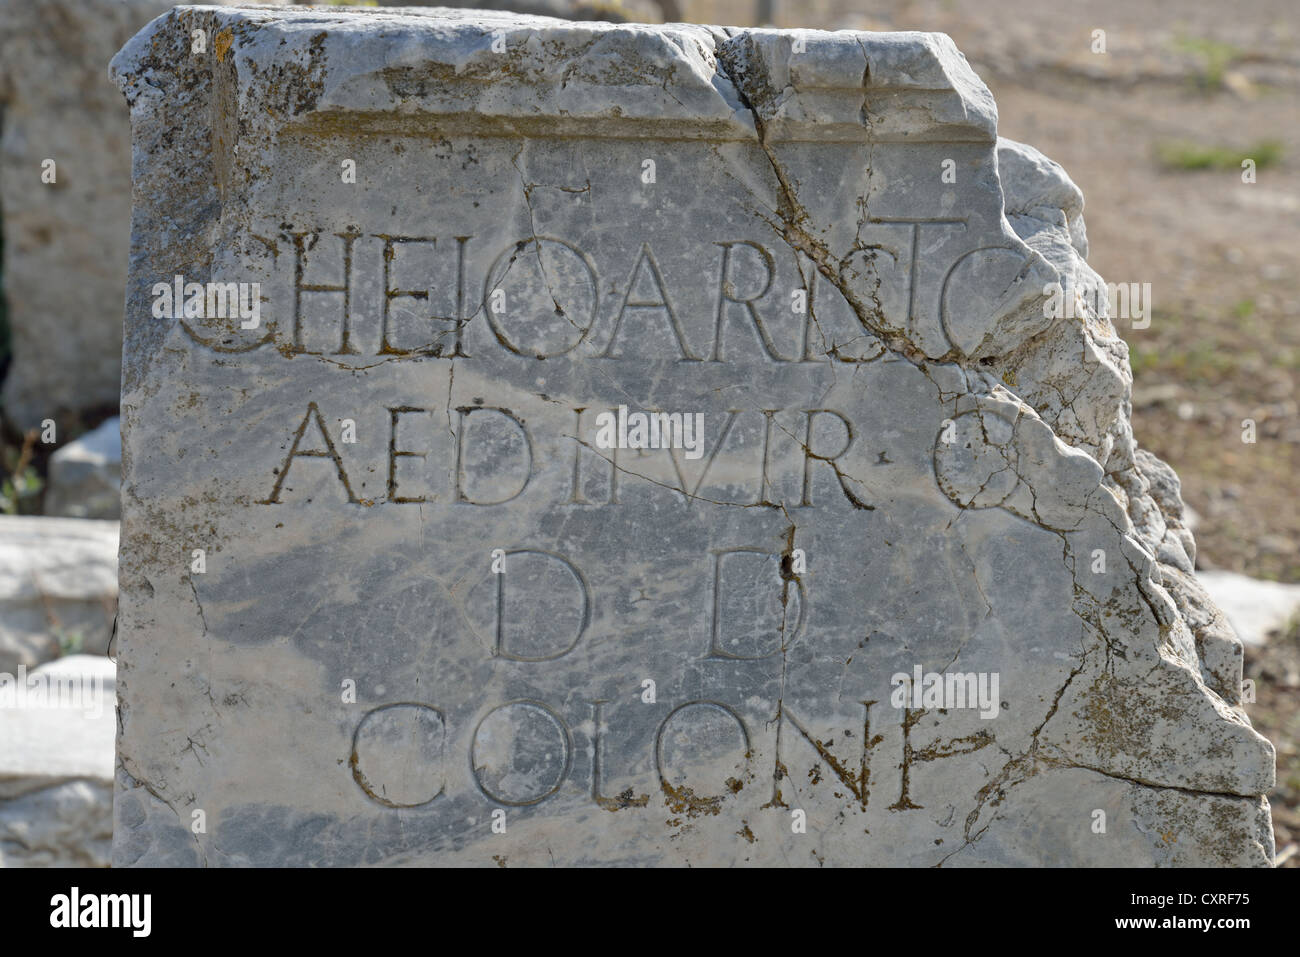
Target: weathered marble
(919,470)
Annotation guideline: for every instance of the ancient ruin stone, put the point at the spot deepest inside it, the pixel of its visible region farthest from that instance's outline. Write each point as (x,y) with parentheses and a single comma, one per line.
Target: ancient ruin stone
(85,476)
(58,588)
(402,583)
(56,764)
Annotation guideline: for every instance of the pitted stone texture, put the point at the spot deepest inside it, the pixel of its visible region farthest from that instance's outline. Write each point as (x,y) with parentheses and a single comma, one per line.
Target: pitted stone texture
(638,657)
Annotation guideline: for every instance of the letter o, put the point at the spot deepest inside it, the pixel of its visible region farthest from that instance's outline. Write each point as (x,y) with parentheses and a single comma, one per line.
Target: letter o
(573,333)
(508,767)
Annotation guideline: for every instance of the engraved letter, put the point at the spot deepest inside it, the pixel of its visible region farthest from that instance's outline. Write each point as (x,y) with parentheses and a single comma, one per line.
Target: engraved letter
(329,452)
(656,277)
(462,465)
(496,753)
(548,584)
(760,589)
(727,294)
(300,250)
(810,456)
(394,453)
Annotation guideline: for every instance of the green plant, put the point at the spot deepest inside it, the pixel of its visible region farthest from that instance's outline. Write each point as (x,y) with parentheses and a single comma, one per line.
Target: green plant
(17,487)
(1186,155)
(23,481)
(71,640)
(1141,358)
(1215,57)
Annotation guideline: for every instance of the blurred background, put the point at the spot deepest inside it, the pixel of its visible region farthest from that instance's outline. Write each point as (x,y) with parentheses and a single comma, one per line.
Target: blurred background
(1152,117)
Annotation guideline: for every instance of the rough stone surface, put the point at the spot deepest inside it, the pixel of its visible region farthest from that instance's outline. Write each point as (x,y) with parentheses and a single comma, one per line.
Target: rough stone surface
(65,243)
(56,772)
(85,477)
(681,660)
(58,588)
(66,825)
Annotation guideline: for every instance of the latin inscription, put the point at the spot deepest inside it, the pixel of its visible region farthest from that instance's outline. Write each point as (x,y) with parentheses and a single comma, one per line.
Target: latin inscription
(364,298)
(354,296)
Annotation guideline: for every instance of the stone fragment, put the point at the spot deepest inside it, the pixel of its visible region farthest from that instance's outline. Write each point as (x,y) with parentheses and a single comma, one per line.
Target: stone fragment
(58,724)
(58,588)
(64,825)
(56,764)
(85,476)
(670,452)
